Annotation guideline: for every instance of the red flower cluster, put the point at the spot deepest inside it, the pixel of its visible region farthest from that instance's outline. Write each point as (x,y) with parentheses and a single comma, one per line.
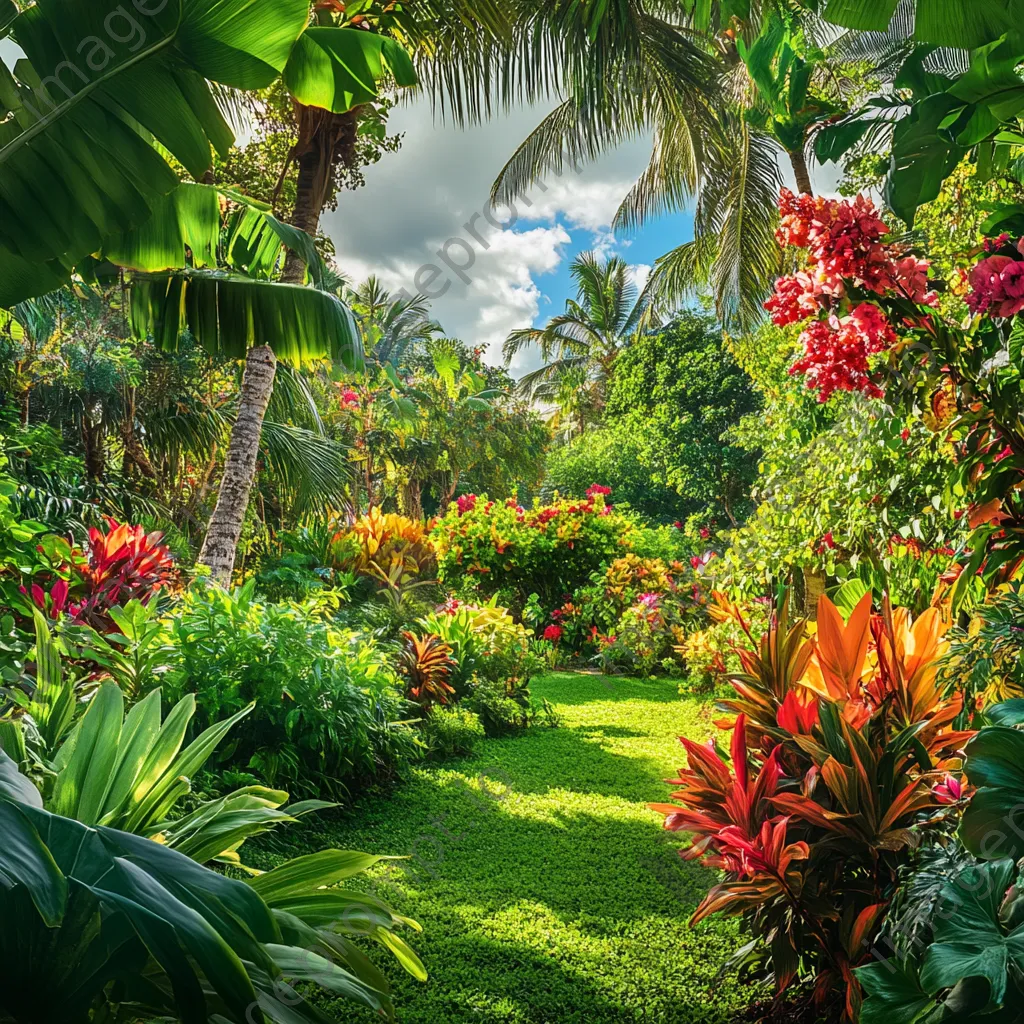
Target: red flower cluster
(553,633)
(350,400)
(997,286)
(595,489)
(466,503)
(844,244)
(836,351)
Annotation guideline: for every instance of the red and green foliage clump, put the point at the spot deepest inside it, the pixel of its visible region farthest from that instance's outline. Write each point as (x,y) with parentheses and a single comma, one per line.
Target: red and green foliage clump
(551,550)
(123,564)
(842,755)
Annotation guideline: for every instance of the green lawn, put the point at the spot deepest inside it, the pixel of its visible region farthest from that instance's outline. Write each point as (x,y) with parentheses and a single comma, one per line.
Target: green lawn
(546,890)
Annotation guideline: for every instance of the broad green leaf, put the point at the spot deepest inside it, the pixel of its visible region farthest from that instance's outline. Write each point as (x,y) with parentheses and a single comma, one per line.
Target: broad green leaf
(81,787)
(100,106)
(403,953)
(303,874)
(189,216)
(25,860)
(303,965)
(138,736)
(166,789)
(964,24)
(228,314)
(969,941)
(352,912)
(1008,713)
(162,752)
(242,43)
(15,786)
(339,68)
(199,886)
(992,81)
(867,15)
(921,158)
(894,993)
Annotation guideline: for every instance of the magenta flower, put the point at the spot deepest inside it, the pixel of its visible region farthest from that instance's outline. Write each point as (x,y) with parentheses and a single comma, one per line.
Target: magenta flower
(553,633)
(949,791)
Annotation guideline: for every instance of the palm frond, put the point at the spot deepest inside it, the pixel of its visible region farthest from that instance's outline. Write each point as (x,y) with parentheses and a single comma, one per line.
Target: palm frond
(312,470)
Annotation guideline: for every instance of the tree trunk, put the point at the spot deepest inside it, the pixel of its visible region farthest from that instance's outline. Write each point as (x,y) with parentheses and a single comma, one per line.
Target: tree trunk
(325,139)
(225,526)
(412,499)
(801,173)
(814,589)
(92,442)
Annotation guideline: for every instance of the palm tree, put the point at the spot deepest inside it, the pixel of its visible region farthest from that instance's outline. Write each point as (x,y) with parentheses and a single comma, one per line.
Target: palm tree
(579,347)
(717,143)
(391,327)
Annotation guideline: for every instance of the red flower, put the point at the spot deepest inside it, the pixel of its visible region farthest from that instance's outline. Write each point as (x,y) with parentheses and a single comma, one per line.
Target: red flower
(826,542)
(466,503)
(704,533)
(905,434)
(597,489)
(349,399)
(553,633)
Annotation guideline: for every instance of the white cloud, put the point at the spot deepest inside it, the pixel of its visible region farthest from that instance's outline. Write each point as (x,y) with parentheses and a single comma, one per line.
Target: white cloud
(427,206)
(640,274)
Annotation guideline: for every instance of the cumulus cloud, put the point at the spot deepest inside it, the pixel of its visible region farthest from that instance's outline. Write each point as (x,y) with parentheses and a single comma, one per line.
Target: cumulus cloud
(424,223)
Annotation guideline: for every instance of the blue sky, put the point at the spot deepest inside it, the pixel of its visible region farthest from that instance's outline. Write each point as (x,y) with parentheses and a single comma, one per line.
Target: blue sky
(641,248)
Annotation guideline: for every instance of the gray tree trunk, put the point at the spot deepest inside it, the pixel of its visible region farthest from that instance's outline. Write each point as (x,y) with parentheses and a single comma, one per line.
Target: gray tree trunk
(225,526)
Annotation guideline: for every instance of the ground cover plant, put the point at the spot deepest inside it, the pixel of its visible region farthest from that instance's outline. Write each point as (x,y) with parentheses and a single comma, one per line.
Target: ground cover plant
(508,853)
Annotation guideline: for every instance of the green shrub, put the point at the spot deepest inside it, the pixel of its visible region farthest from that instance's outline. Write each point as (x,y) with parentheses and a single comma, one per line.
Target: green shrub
(500,711)
(328,705)
(485,641)
(451,732)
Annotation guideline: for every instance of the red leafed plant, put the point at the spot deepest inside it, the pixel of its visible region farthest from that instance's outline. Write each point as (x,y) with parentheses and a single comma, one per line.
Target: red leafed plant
(123,564)
(427,663)
(839,747)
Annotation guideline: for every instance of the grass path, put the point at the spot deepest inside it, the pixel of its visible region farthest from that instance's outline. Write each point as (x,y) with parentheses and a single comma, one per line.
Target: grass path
(546,890)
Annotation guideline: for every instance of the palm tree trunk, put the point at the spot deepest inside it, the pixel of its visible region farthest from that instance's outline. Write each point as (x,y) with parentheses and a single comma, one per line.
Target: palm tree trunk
(225,526)
(801,172)
(324,140)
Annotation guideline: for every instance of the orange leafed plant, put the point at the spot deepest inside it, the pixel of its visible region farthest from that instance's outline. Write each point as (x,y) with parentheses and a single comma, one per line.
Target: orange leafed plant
(427,663)
(841,740)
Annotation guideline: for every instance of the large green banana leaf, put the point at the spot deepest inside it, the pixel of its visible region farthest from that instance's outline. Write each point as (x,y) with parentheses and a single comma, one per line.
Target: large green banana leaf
(102,81)
(965,24)
(211,273)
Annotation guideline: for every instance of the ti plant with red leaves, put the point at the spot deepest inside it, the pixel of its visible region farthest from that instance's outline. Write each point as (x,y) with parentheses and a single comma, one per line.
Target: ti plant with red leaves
(124,564)
(427,663)
(840,748)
